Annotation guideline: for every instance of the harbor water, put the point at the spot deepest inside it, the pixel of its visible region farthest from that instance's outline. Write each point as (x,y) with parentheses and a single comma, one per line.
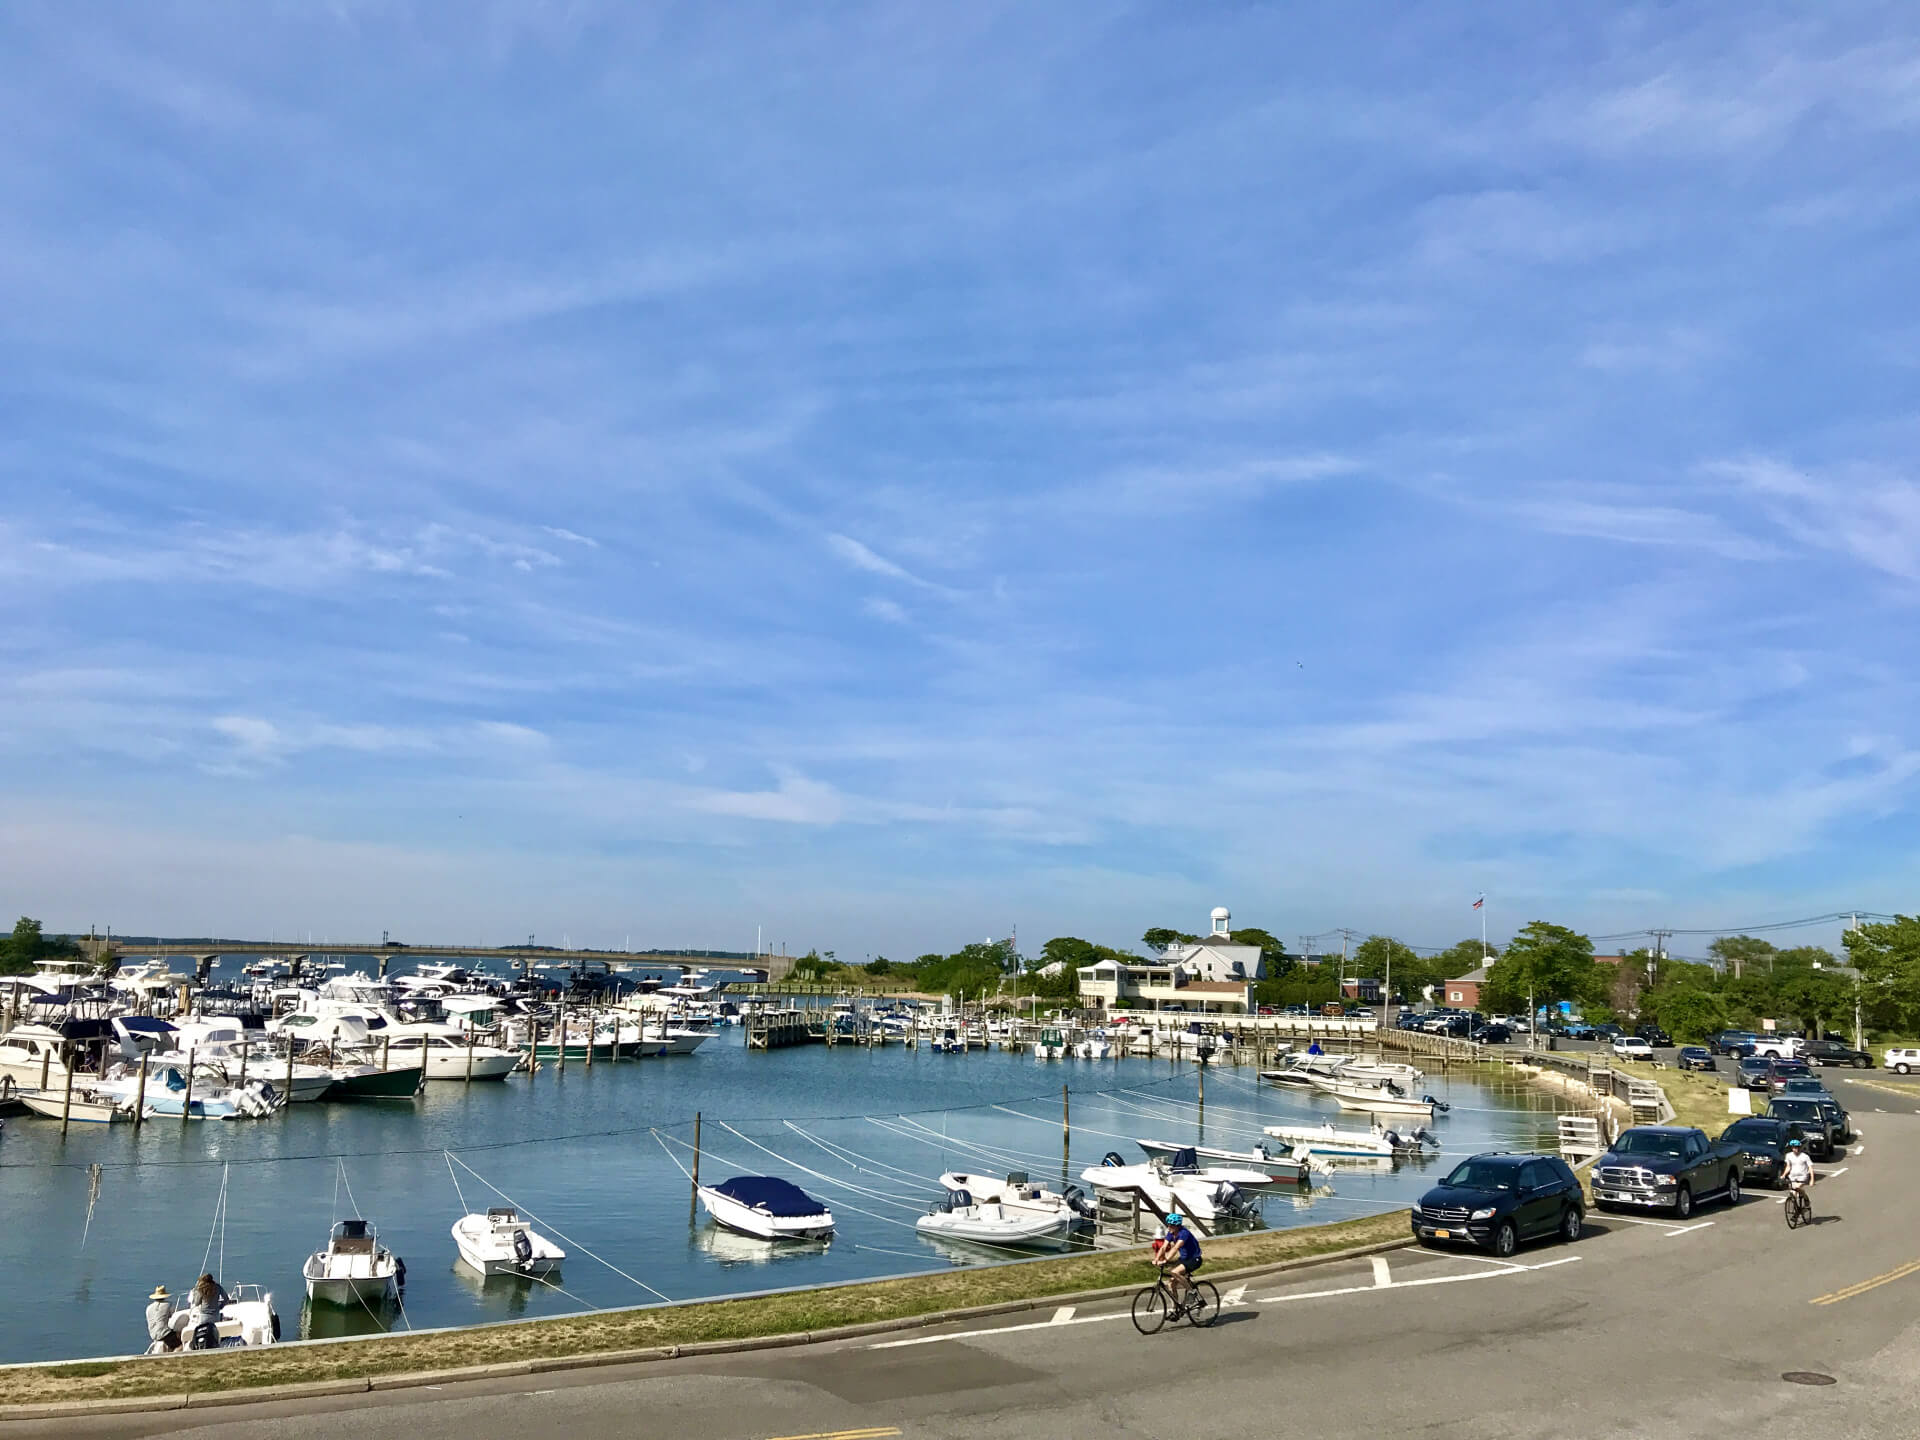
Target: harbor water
(596,1156)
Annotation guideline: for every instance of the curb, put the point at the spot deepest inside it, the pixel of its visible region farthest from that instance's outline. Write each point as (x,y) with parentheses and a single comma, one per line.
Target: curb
(360,1385)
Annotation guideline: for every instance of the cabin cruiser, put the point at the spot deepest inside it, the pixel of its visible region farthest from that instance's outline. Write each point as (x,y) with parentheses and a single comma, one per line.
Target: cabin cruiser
(33,1057)
(445,1058)
(355,1268)
(766,1207)
(501,1243)
(1052,1045)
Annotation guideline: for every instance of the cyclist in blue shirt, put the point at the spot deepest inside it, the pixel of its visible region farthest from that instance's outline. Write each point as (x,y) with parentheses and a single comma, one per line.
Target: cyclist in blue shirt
(1177,1252)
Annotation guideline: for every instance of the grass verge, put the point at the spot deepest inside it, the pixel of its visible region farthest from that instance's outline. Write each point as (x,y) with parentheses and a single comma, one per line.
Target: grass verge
(769,1315)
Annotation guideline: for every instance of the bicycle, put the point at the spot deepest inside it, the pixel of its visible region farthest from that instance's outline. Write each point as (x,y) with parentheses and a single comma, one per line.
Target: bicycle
(1154,1305)
(1799,1209)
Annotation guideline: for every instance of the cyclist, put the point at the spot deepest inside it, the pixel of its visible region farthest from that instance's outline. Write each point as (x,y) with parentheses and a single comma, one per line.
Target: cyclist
(1177,1252)
(1799,1168)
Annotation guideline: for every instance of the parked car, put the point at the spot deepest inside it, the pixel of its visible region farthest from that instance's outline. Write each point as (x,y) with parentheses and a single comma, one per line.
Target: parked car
(1762,1141)
(1901,1061)
(1832,1052)
(1806,1085)
(1731,1042)
(1496,1201)
(1577,1030)
(1819,1123)
(1785,1070)
(1843,1122)
(1492,1033)
(1754,1072)
(1781,1047)
(1665,1167)
(1608,1031)
(1694,1057)
(1654,1036)
(1632,1047)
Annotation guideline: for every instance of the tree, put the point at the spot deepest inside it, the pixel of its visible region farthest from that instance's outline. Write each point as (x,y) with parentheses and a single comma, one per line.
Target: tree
(879,965)
(1690,1015)
(1741,953)
(1547,963)
(1888,958)
(22,952)
(1160,938)
(811,968)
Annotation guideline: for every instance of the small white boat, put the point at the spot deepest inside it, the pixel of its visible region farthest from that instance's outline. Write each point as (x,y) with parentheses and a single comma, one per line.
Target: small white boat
(248,1318)
(501,1243)
(1297,1071)
(1383,1097)
(766,1207)
(354,1268)
(1094,1045)
(1278,1169)
(1379,1143)
(1052,1045)
(89,1106)
(960,1217)
(1018,1192)
(1206,1193)
(209,1097)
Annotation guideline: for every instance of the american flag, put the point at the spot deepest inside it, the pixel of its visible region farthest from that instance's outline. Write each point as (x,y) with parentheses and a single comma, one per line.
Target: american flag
(1481,901)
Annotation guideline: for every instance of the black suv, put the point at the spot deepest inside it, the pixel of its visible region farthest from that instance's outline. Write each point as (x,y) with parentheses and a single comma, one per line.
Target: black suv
(1825,1128)
(1763,1145)
(1693,1057)
(1654,1036)
(1496,1201)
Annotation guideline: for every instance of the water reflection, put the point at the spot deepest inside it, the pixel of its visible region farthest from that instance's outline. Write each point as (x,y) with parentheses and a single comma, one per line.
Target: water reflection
(731,1248)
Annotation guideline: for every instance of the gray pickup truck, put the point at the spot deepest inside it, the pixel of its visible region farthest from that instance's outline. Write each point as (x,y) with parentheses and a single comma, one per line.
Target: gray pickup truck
(1665,1167)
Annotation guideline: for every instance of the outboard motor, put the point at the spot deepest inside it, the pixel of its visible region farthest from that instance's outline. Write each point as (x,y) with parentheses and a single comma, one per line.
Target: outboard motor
(1080,1203)
(1440,1106)
(522,1247)
(1113,1159)
(1185,1161)
(399,1275)
(206,1336)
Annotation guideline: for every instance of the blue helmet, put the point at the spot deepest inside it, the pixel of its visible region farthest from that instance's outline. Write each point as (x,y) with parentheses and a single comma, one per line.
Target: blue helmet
(1174,1217)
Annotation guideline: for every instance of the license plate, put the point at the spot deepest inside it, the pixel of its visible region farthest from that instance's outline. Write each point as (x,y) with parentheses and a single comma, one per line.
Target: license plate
(1443,1234)
(1608,1195)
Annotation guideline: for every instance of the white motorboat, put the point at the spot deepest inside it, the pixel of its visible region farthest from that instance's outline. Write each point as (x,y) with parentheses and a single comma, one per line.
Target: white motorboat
(960,1217)
(247,1318)
(1206,1193)
(34,1058)
(767,1207)
(1052,1045)
(1018,1192)
(355,1268)
(1297,1071)
(1405,1076)
(1379,1143)
(1279,1169)
(1094,1045)
(87,1107)
(501,1243)
(1383,1097)
(444,1058)
(209,1096)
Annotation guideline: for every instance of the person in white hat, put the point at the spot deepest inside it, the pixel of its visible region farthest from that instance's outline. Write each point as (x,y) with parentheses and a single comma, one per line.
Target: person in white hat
(160,1319)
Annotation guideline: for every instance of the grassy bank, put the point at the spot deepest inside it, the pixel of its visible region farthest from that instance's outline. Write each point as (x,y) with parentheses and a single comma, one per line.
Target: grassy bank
(770,1315)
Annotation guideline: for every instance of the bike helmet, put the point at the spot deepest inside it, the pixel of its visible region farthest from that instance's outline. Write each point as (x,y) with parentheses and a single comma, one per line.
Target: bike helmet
(1174,1217)
(1793,1144)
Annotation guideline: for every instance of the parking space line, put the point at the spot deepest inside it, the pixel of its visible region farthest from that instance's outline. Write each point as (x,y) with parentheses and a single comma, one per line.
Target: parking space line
(1062,1315)
(1489,1260)
(1236,1296)
(1689,1229)
(1382,1276)
(1636,1220)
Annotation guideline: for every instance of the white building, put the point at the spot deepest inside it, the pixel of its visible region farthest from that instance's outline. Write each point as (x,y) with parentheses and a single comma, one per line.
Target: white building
(1216,958)
(1211,975)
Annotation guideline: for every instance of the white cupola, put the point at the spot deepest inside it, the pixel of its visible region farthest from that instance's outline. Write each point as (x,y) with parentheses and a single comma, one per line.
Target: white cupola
(1222,919)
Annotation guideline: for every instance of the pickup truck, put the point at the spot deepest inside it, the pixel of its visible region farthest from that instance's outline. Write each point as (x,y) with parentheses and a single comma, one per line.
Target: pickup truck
(1780,1047)
(1666,1167)
(1831,1052)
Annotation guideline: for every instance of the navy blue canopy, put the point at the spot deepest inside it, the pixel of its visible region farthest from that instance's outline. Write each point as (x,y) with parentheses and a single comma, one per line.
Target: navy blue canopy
(771,1194)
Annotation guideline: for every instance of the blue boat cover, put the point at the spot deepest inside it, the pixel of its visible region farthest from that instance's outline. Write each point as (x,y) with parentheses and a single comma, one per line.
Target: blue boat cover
(771,1194)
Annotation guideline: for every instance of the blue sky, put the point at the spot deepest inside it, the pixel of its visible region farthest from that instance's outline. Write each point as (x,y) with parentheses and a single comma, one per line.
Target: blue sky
(888,475)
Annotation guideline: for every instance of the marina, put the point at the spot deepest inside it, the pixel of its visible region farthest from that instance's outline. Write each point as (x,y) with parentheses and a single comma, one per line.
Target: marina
(594,1161)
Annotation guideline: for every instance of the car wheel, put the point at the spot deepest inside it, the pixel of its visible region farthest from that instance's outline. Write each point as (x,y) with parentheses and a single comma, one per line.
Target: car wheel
(1570,1224)
(1904,1068)
(1505,1239)
(1733,1187)
(1683,1204)
(1860,1062)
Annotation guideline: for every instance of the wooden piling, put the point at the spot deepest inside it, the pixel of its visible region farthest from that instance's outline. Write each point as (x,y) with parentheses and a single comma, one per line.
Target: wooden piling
(593,1030)
(186,1099)
(693,1193)
(1066,1129)
(469,1054)
(563,1034)
(288,1107)
(66,1103)
(140,1095)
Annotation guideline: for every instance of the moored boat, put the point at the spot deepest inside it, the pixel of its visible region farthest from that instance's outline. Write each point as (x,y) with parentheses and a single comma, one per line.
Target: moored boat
(501,1243)
(767,1207)
(960,1217)
(355,1267)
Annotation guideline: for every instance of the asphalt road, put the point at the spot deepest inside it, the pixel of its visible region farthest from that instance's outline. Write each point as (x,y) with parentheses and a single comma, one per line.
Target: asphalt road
(1641,1329)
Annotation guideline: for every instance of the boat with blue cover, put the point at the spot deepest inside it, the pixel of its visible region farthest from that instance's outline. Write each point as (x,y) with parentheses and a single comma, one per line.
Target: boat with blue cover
(767,1207)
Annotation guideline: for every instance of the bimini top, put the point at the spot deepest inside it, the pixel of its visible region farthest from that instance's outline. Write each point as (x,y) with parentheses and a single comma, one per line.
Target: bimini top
(771,1194)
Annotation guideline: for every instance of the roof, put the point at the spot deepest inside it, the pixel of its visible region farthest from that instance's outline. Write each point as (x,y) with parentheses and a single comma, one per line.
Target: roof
(1472,977)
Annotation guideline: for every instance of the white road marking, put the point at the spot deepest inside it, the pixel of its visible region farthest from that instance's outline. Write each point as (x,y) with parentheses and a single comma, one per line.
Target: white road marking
(1236,1296)
(1689,1229)
(1262,1299)
(1489,1260)
(1062,1315)
(1635,1220)
(1382,1276)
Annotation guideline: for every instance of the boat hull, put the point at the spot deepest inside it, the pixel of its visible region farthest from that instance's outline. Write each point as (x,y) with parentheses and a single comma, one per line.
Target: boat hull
(745,1220)
(1001,1227)
(397,1084)
(83,1112)
(354,1290)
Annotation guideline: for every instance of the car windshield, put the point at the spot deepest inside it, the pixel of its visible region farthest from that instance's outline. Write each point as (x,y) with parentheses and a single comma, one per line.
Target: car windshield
(1484,1175)
(1798,1109)
(1650,1142)
(1806,1087)
(1755,1130)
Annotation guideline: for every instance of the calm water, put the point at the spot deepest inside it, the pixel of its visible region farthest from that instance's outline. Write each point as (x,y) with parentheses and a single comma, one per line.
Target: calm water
(578,1151)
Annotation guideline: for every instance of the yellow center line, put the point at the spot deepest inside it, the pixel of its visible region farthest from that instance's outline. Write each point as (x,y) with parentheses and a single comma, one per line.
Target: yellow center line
(872,1432)
(1875,1283)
